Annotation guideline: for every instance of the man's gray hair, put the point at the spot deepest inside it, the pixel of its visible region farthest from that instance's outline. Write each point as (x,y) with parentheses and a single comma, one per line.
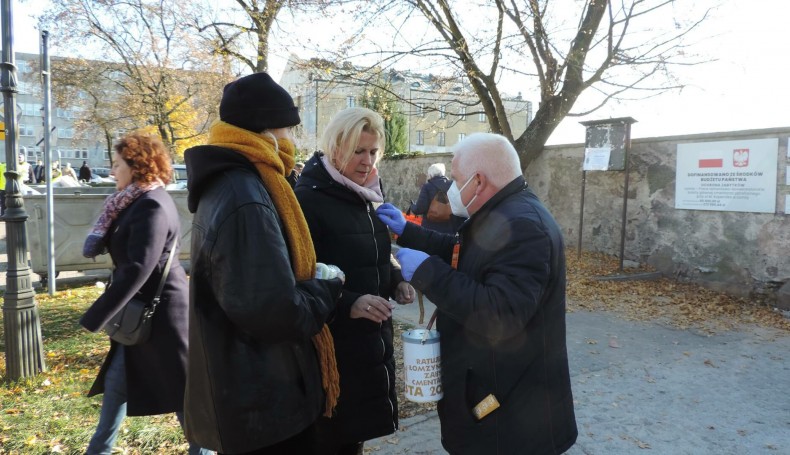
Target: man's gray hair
(490,154)
(435,169)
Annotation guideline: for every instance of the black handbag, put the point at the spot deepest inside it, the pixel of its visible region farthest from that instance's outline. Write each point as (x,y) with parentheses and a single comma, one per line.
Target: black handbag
(132,324)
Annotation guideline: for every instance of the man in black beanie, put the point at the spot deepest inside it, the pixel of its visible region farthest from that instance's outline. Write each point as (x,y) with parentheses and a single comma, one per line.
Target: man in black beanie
(256,313)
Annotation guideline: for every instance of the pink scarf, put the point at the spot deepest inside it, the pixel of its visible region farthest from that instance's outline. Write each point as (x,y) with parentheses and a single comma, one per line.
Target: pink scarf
(371,192)
(115,203)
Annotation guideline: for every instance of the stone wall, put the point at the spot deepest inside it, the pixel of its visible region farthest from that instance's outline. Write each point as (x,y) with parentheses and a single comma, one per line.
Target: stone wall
(403,178)
(741,253)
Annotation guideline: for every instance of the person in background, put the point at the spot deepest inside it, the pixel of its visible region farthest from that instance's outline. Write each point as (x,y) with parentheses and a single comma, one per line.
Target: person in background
(56,173)
(261,360)
(500,294)
(293,177)
(436,182)
(2,188)
(85,172)
(337,192)
(68,171)
(23,168)
(39,172)
(138,226)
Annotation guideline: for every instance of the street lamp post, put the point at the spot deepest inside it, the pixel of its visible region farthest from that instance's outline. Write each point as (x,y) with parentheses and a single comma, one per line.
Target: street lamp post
(24,350)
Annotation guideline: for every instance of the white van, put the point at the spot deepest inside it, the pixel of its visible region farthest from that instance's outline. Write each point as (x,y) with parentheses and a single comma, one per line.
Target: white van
(179,181)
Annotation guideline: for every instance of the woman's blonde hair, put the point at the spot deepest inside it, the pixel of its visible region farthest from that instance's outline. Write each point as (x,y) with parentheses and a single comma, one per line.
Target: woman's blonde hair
(341,136)
(147,156)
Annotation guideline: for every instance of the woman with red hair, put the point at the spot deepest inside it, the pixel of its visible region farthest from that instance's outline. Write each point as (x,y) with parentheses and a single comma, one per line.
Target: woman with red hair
(138,226)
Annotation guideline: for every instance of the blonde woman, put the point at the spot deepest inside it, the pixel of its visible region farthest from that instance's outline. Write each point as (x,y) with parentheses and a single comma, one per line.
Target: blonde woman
(337,190)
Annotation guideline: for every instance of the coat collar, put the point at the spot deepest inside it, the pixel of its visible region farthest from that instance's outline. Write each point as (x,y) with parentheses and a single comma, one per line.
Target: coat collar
(515,186)
(316,176)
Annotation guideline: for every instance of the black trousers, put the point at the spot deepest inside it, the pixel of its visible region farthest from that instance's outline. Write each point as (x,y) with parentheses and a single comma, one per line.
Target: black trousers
(329,444)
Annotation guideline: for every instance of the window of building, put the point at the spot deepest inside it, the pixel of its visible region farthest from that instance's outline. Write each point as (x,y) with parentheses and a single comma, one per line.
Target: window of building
(84,154)
(441,138)
(462,113)
(31,109)
(481,117)
(461,136)
(65,133)
(420,109)
(64,113)
(351,101)
(442,112)
(420,137)
(116,75)
(23,66)
(26,130)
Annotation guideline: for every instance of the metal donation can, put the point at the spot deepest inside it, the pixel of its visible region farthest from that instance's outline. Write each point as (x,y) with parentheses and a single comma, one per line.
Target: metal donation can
(422,365)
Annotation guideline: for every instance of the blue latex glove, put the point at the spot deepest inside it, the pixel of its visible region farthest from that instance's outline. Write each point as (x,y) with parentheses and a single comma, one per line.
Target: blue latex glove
(409,261)
(392,217)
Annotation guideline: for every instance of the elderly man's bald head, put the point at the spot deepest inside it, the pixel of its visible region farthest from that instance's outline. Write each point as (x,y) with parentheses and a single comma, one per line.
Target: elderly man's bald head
(489,154)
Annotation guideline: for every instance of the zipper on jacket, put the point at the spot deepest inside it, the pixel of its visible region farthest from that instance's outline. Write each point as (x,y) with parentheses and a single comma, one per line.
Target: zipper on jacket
(387,374)
(376,244)
(381,338)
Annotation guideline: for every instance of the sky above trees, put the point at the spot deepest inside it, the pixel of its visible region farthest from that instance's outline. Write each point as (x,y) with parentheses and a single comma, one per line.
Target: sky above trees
(737,90)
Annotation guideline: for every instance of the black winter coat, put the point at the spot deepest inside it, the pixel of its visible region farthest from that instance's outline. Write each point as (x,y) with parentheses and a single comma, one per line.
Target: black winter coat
(427,192)
(502,326)
(139,243)
(347,233)
(254,377)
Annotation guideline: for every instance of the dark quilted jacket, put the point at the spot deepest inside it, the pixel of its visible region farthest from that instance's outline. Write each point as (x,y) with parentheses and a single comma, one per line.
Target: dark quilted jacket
(347,233)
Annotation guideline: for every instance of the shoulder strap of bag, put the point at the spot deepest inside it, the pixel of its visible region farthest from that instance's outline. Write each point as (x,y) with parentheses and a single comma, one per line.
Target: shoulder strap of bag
(166,272)
(440,195)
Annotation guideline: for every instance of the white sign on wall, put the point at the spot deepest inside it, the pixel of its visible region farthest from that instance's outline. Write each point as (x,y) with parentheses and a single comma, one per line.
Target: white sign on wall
(730,176)
(596,158)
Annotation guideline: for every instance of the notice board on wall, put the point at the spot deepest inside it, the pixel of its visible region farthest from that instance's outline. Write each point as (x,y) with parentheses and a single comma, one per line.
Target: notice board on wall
(605,145)
(730,176)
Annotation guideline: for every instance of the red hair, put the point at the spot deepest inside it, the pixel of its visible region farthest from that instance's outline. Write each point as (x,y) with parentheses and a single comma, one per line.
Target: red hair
(147,156)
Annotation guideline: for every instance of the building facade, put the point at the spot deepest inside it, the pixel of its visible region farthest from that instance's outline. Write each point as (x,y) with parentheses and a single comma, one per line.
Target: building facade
(439,113)
(68,144)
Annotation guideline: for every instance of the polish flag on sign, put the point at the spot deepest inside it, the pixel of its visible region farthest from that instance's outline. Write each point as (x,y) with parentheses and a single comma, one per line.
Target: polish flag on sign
(711,159)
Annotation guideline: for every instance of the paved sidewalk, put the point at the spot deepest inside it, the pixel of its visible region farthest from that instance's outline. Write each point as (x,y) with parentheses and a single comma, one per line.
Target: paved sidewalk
(645,388)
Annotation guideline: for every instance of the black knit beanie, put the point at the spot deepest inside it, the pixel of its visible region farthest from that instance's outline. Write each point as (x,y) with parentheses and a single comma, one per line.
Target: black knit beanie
(256,103)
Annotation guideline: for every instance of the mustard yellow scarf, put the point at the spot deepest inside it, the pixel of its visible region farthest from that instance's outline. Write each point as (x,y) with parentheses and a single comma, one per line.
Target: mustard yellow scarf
(273,166)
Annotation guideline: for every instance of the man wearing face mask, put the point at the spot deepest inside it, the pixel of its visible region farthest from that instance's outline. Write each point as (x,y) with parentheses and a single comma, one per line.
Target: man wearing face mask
(499,288)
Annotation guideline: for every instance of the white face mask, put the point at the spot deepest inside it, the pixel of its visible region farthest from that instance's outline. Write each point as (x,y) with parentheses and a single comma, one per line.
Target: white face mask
(456,204)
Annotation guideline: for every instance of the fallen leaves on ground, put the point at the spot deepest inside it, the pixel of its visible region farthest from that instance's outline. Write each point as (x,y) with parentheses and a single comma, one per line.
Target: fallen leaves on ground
(681,305)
